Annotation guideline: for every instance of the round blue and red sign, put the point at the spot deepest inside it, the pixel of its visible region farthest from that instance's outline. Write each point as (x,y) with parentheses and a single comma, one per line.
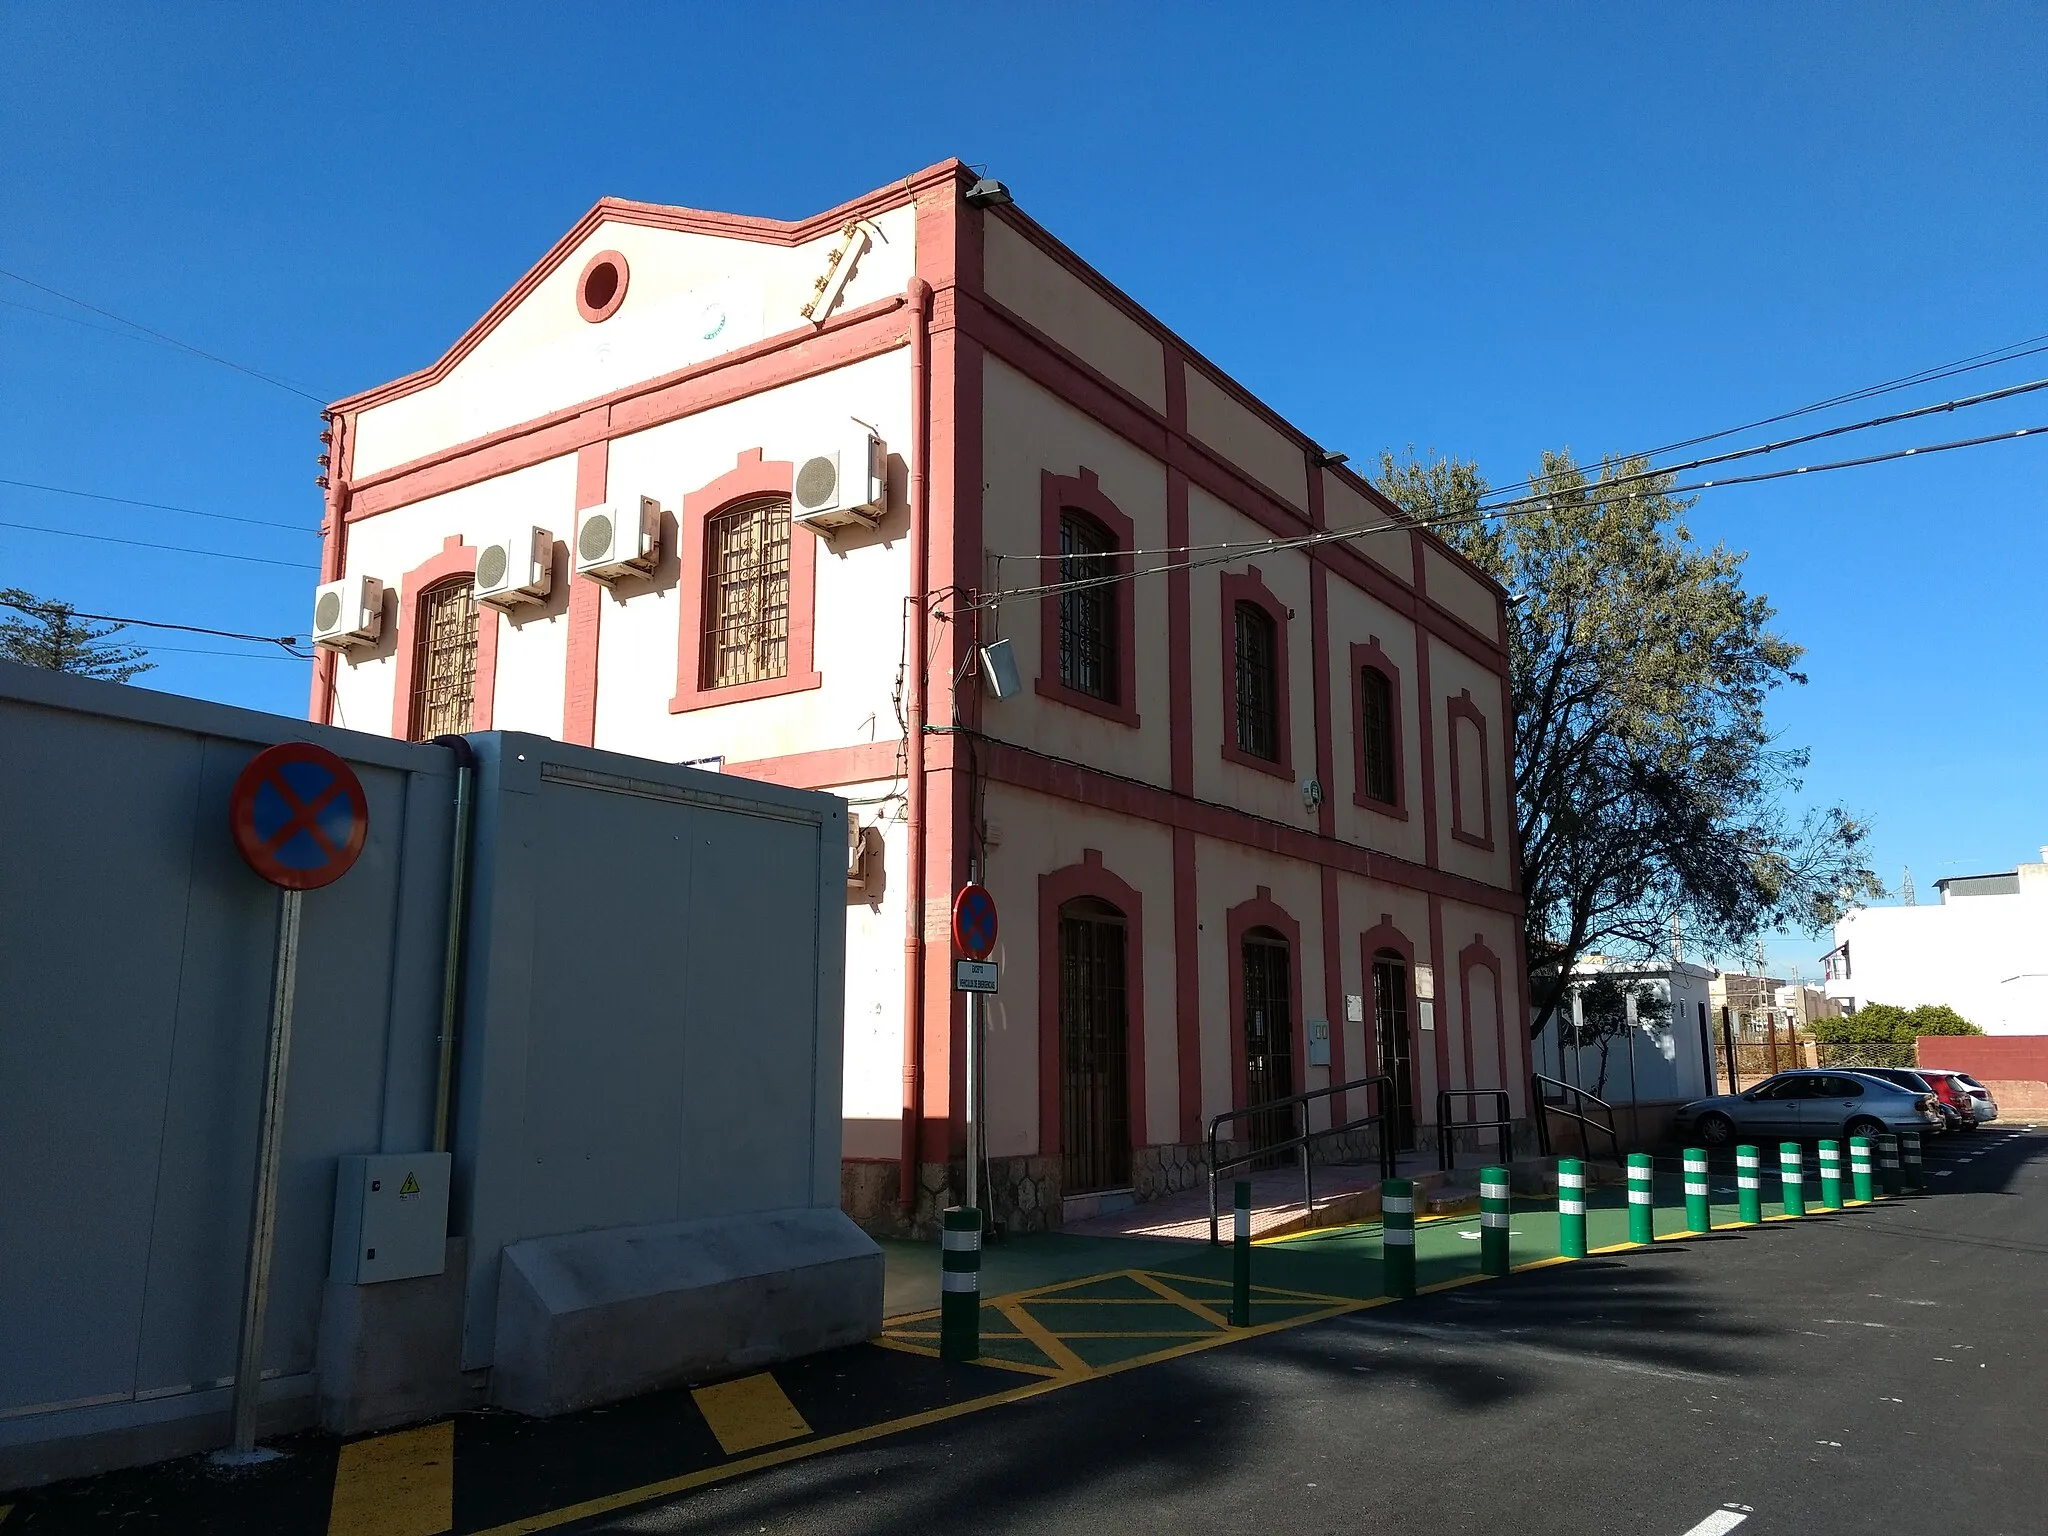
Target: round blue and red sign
(298,815)
(974,921)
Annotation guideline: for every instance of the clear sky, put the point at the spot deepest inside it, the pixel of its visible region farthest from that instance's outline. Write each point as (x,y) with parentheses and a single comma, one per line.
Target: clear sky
(1483,229)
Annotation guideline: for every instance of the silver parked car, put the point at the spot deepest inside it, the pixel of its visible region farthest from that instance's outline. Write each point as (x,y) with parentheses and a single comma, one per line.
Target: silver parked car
(1808,1105)
(1983,1107)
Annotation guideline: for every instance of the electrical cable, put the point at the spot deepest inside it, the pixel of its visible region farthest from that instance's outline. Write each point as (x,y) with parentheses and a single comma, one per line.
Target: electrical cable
(177,549)
(286,641)
(169,341)
(1526,506)
(160,506)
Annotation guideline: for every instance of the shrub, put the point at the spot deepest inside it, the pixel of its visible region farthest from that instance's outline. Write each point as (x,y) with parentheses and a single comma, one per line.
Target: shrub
(1889,1024)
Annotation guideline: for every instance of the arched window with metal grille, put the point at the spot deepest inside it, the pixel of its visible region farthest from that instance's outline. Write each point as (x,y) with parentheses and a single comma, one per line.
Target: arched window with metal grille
(1258,684)
(746,596)
(1376,735)
(444,659)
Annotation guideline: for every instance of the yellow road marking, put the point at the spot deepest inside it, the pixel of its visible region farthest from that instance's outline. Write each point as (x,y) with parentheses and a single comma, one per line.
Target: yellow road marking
(400,1484)
(1166,1292)
(749,1413)
(1048,1342)
(1000,1362)
(1274,1292)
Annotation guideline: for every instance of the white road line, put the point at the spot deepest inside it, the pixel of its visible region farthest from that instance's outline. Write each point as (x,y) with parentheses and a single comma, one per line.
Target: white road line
(1720,1522)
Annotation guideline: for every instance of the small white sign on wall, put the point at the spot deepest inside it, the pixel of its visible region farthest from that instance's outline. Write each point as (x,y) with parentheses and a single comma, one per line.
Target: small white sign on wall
(1425,1012)
(1354,1008)
(1425,983)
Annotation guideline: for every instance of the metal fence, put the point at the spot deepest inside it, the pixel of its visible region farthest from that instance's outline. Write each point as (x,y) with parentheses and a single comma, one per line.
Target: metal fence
(1868,1055)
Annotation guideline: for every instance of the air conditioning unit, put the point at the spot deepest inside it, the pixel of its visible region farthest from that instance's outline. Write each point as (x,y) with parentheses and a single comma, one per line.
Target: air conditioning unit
(842,482)
(618,538)
(348,612)
(516,570)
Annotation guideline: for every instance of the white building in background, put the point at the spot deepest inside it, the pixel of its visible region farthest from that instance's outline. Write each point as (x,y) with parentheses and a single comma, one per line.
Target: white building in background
(1983,951)
(1669,1063)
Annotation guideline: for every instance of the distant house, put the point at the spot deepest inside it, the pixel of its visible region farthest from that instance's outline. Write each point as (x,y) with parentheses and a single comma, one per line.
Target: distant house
(1983,950)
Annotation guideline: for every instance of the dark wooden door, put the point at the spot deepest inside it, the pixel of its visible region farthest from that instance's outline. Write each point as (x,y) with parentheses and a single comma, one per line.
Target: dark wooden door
(1390,1027)
(1095,1083)
(1268,1037)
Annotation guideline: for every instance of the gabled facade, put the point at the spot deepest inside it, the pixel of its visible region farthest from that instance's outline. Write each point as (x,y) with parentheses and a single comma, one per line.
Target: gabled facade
(1247,819)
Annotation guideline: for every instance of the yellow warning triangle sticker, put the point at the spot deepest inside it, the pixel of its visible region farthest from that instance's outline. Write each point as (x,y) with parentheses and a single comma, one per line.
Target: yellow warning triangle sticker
(411,1186)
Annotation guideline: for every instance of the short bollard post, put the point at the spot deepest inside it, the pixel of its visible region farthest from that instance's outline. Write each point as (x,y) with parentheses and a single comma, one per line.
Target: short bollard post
(1699,1215)
(1749,1184)
(1859,1169)
(1830,1176)
(1642,1208)
(960,1284)
(1915,1175)
(1493,1221)
(1397,1236)
(1888,1164)
(1241,1258)
(1792,1178)
(1571,1208)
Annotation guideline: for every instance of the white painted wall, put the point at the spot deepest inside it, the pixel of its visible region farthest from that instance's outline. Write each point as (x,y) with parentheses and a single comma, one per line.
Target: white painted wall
(1653,1064)
(1984,956)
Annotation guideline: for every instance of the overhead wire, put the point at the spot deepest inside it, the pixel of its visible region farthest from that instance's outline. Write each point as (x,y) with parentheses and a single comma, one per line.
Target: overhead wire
(177,549)
(1523,507)
(160,506)
(284,641)
(167,340)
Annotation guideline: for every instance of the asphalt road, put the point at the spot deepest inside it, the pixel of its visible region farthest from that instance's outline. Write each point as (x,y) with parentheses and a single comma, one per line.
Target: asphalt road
(1882,1369)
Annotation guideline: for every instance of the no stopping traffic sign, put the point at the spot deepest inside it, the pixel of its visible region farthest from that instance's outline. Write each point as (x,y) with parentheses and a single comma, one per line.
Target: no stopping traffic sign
(298,816)
(974,921)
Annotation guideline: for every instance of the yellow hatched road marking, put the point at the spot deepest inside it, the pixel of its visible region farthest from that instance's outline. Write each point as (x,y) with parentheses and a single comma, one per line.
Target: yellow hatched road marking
(749,1413)
(1166,1292)
(1048,1343)
(1000,1362)
(1273,1292)
(400,1484)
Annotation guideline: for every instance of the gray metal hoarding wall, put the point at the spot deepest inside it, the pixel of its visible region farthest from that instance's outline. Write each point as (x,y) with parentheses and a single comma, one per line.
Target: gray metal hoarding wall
(647,1093)
(136,950)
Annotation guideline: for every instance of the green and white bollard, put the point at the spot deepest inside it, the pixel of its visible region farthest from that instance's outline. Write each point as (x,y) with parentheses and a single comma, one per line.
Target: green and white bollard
(1397,1236)
(1493,1221)
(1888,1164)
(1859,1169)
(960,1284)
(1749,1184)
(1915,1176)
(1830,1176)
(1699,1213)
(1571,1208)
(1642,1199)
(1241,1257)
(1792,1178)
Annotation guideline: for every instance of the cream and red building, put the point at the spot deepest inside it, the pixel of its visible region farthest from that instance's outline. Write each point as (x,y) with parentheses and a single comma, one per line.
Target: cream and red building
(1251,794)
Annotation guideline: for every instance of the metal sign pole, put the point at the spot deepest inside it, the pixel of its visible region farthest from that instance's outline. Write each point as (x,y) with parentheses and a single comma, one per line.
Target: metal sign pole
(973,1106)
(269,1144)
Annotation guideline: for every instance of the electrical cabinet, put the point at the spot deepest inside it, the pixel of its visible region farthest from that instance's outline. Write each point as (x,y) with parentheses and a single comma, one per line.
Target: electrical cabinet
(390,1217)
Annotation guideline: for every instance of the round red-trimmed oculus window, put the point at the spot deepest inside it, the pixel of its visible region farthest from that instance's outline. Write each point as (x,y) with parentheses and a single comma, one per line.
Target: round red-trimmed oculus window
(602,287)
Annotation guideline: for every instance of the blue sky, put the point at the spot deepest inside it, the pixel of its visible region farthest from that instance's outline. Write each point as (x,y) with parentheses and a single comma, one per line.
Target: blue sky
(1481,229)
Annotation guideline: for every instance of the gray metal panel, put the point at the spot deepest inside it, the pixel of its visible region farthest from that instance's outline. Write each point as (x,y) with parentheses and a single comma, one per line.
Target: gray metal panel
(92,979)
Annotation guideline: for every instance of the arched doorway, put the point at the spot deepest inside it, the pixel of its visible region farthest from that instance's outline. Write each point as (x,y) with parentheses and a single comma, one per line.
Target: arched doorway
(1094,1047)
(1268,1027)
(1392,1040)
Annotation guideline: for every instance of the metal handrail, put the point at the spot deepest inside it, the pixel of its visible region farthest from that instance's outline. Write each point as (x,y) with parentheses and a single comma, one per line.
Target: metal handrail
(1545,1108)
(1381,1083)
(1505,1125)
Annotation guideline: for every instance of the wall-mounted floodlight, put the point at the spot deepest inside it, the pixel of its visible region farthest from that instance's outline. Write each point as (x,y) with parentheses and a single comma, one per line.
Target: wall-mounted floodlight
(1332,460)
(989,193)
(999,666)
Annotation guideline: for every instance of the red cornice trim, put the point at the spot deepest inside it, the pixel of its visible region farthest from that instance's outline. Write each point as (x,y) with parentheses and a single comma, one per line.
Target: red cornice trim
(1090,877)
(1261,911)
(865,763)
(851,337)
(750,477)
(731,226)
(1370,654)
(1249,587)
(1024,768)
(455,559)
(1058,494)
(1462,708)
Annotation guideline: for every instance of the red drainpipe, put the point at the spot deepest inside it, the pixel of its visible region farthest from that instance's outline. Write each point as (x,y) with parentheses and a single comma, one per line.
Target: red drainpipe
(920,294)
(340,451)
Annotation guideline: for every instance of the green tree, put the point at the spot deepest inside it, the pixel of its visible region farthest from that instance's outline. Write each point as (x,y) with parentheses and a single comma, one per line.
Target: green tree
(1647,783)
(1608,1008)
(42,633)
(1889,1024)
